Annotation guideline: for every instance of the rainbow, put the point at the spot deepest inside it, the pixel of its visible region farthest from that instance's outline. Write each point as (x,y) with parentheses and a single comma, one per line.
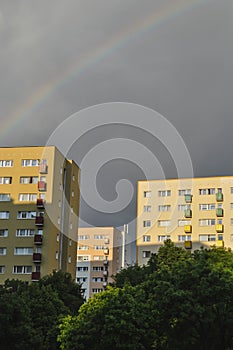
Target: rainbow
(140,28)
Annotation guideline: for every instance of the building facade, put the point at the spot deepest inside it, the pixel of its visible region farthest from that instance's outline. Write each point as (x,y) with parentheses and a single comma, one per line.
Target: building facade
(99,256)
(191,212)
(39,207)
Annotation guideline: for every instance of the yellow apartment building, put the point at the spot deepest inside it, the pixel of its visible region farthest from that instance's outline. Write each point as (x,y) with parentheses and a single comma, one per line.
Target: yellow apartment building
(99,256)
(191,212)
(39,207)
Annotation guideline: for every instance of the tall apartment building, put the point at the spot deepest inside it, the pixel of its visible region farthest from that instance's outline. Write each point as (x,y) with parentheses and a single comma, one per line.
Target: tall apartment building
(191,212)
(99,256)
(39,206)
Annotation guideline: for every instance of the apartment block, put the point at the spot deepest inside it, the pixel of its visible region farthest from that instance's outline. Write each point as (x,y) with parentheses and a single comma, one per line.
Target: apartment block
(39,207)
(99,256)
(191,212)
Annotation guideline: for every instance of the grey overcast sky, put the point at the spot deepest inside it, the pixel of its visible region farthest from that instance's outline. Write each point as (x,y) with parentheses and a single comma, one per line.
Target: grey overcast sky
(176,57)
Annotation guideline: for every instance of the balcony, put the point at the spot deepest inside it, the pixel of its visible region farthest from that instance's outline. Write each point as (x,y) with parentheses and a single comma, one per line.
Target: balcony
(106,241)
(105,262)
(35,276)
(219,197)
(188,244)
(40,203)
(42,186)
(188,198)
(219,228)
(37,257)
(105,273)
(188,213)
(106,251)
(39,221)
(43,169)
(188,228)
(38,239)
(220,243)
(105,284)
(219,212)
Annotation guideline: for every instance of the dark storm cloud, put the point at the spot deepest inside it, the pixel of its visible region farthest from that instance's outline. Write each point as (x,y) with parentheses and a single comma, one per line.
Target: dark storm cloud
(183,68)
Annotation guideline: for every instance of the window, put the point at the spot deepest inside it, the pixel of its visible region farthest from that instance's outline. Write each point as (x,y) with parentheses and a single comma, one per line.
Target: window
(97,290)
(164,223)
(183,238)
(4,214)
(83,257)
(147,194)
(83,247)
(182,223)
(81,279)
(146,238)
(204,191)
(56,255)
(2,251)
(40,231)
(183,207)
(231,221)
(27,197)
(6,163)
(70,242)
(30,162)
(5,180)
(98,257)
(99,247)
(219,221)
(231,190)
(98,268)
(72,193)
(18,269)
(164,207)
(69,259)
(83,237)
(73,178)
(58,237)
(184,192)
(28,179)
(207,238)
(231,206)
(146,223)
(207,222)
(82,268)
(164,193)
(2,269)
(146,254)
(23,251)
(25,232)
(97,279)
(220,237)
(207,207)
(26,215)
(101,236)
(4,232)
(163,238)
(147,208)
(5,197)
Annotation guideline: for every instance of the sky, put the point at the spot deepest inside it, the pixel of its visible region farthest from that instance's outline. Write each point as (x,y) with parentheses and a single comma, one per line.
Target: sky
(173,57)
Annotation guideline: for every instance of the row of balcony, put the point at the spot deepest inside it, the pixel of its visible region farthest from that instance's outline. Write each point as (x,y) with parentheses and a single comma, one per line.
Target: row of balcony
(188,213)
(189,244)
(219,228)
(188,197)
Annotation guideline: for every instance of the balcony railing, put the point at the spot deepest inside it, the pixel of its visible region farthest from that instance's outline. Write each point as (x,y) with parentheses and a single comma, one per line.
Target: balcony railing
(188,198)
(219,228)
(219,243)
(188,213)
(37,257)
(219,197)
(39,221)
(42,186)
(105,284)
(40,203)
(35,276)
(219,212)
(188,244)
(43,168)
(188,228)
(106,251)
(105,262)
(105,273)
(38,239)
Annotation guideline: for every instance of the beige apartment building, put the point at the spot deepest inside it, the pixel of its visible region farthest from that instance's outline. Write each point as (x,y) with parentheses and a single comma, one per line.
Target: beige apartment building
(99,256)
(191,212)
(39,206)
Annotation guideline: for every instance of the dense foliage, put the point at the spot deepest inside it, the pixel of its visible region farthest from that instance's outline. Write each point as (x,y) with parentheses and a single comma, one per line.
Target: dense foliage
(179,301)
(30,313)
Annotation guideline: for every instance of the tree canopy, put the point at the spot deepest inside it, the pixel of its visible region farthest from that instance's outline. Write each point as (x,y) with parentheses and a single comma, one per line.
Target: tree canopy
(178,301)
